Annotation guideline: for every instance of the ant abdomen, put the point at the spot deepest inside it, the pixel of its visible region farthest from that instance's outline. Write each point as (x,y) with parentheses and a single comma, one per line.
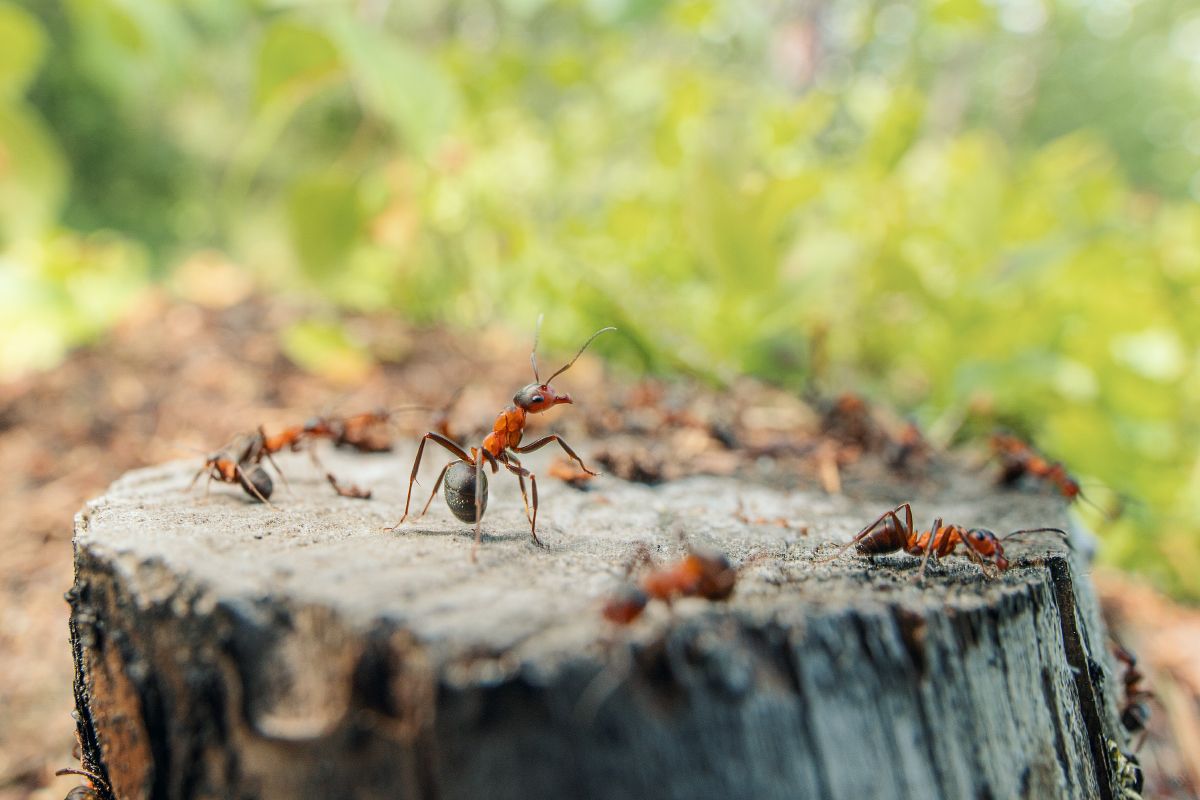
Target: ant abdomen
(259,480)
(459,490)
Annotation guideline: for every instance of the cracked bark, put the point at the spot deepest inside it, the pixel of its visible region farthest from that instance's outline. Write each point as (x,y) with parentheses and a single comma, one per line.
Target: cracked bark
(225,650)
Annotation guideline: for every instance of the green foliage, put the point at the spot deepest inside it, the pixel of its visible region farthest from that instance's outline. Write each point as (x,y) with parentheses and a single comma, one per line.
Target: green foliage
(978,210)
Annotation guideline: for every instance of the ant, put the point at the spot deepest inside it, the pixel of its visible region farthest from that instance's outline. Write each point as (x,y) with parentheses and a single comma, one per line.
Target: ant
(1135,713)
(887,534)
(1019,459)
(240,462)
(366,432)
(499,448)
(295,438)
(98,790)
(707,575)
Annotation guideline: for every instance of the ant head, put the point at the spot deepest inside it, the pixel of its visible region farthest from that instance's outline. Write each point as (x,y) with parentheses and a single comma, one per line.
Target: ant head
(540,395)
(537,397)
(987,545)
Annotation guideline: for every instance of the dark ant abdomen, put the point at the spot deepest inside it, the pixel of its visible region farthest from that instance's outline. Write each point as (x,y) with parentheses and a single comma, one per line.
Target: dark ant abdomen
(459,491)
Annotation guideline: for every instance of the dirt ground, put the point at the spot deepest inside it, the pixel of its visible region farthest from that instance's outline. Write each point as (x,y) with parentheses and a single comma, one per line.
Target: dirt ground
(174,380)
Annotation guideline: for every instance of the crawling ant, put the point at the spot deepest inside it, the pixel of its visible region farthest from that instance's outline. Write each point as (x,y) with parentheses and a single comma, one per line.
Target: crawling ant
(1018,459)
(298,437)
(887,534)
(366,432)
(239,462)
(97,790)
(499,447)
(698,574)
(1135,712)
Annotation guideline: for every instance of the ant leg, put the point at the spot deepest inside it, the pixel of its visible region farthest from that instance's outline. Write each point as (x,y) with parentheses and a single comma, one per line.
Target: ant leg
(343,491)
(554,437)
(933,535)
(521,473)
(484,455)
(412,478)
(262,443)
(437,485)
(866,531)
(192,485)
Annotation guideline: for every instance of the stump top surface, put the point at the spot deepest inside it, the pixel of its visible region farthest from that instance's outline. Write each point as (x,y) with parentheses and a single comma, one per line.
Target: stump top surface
(533,604)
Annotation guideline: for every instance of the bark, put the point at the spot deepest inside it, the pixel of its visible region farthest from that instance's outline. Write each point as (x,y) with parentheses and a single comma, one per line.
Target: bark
(228,650)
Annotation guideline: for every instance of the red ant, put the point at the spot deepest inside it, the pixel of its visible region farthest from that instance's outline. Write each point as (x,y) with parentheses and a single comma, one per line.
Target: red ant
(887,534)
(98,790)
(707,575)
(239,462)
(1018,459)
(366,432)
(295,438)
(1135,713)
(498,448)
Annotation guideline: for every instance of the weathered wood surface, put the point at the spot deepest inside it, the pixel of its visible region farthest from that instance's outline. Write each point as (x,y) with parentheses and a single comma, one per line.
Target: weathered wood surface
(228,650)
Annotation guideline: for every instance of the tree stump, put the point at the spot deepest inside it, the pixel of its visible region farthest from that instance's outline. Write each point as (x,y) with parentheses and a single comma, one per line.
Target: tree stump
(228,650)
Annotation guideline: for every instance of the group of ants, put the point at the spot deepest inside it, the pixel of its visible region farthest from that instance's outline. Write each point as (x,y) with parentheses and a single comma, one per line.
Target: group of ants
(699,574)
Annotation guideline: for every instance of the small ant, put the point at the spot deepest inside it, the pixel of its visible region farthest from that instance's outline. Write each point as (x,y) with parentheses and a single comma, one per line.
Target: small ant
(1018,459)
(707,575)
(498,448)
(887,534)
(1135,712)
(366,432)
(239,462)
(98,790)
(294,438)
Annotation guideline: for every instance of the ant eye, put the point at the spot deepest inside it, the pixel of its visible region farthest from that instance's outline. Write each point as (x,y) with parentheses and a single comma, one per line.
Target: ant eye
(537,398)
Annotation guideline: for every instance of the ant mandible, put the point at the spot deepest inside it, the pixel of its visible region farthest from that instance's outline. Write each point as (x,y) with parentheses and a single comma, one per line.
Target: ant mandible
(887,534)
(499,448)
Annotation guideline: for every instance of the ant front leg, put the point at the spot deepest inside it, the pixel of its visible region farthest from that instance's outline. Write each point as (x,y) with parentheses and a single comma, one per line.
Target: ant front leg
(437,438)
(521,474)
(554,437)
(929,546)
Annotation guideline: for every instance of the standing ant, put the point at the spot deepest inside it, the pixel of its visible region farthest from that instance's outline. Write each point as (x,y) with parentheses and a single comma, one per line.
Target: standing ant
(499,447)
(887,534)
(239,462)
(1135,712)
(707,575)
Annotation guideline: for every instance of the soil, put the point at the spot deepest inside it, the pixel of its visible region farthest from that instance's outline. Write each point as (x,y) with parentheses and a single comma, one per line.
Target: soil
(176,380)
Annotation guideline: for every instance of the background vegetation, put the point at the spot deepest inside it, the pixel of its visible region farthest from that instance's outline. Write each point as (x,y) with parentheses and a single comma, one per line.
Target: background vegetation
(981,210)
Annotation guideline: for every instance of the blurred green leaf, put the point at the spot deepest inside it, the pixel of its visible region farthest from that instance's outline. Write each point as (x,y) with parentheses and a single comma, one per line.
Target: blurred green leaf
(22,46)
(326,349)
(326,217)
(398,83)
(291,54)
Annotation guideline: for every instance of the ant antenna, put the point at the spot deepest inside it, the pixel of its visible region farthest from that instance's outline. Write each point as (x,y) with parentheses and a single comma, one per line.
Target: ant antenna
(537,332)
(1066,537)
(568,365)
(1108,515)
